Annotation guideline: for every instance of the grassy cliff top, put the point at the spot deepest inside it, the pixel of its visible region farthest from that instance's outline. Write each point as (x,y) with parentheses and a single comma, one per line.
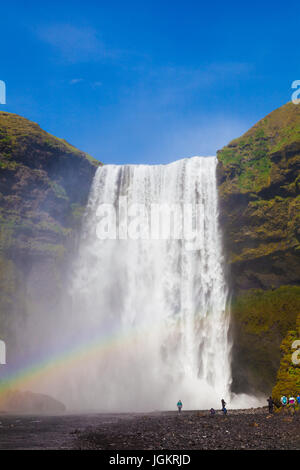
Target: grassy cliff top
(249,158)
(44,187)
(281,127)
(17,133)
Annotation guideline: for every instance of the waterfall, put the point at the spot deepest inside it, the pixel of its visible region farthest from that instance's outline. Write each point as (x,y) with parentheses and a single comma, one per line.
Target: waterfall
(156,306)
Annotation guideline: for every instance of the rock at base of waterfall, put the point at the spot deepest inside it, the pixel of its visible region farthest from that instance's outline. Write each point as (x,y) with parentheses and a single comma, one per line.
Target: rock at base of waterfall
(16,401)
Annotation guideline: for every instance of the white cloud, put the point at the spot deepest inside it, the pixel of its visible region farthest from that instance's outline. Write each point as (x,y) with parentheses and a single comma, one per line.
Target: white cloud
(75,44)
(76,80)
(92,84)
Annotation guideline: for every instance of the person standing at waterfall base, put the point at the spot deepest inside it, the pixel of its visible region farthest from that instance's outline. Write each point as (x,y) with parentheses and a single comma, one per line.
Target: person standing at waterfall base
(179,406)
(224,406)
(270,404)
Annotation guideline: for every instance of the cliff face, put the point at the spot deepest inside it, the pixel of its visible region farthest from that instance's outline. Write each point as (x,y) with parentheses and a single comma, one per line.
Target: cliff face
(288,377)
(259,188)
(44,185)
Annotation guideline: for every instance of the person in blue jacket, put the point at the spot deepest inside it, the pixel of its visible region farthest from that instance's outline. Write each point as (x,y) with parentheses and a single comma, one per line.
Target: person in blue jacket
(284,400)
(179,406)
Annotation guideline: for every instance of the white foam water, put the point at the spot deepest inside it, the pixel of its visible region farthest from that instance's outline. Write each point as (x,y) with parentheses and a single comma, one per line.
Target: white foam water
(158,310)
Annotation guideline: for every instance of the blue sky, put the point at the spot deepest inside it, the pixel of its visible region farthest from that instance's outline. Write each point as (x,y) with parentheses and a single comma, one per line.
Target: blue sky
(148,81)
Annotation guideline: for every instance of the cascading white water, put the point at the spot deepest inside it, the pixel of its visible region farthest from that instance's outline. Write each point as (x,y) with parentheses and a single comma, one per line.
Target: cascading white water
(157,305)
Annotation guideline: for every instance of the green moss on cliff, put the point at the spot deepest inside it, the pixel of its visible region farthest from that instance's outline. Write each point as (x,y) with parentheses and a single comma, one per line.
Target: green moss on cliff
(259,187)
(39,179)
(260,310)
(288,377)
(260,319)
(41,210)
(76,214)
(17,133)
(249,158)
(8,289)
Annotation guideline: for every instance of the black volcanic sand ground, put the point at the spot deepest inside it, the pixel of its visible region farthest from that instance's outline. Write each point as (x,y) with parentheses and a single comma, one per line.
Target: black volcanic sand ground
(241,429)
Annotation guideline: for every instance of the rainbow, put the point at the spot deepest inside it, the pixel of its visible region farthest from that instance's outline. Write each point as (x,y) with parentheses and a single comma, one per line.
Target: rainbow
(29,375)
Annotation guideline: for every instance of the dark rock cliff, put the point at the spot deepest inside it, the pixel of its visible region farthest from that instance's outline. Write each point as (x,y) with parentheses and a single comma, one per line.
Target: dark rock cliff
(259,187)
(44,186)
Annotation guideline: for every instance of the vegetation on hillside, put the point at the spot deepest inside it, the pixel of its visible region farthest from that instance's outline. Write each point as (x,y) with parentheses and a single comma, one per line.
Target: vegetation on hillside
(41,210)
(249,157)
(260,320)
(18,133)
(39,177)
(259,188)
(288,377)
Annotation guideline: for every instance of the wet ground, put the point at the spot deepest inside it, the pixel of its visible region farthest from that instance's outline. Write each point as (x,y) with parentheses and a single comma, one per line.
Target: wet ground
(241,429)
(50,432)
